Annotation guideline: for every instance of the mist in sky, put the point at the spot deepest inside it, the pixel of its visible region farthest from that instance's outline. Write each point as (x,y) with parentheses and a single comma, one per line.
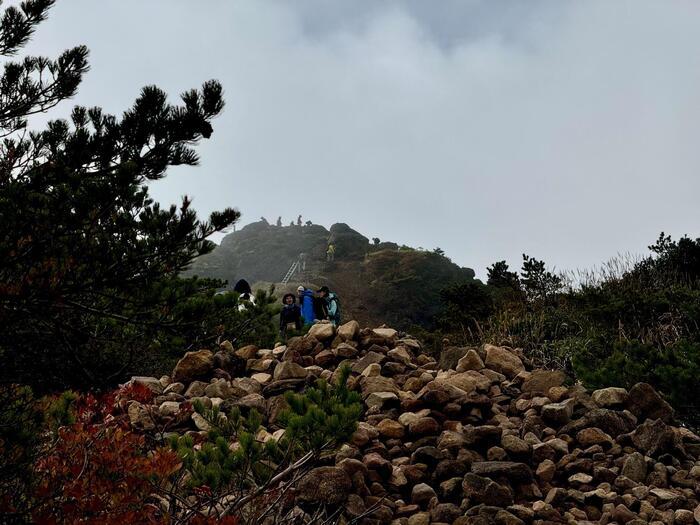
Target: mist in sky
(565,130)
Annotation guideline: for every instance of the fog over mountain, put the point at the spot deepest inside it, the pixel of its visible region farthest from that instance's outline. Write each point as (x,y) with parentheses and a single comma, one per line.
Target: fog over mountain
(567,130)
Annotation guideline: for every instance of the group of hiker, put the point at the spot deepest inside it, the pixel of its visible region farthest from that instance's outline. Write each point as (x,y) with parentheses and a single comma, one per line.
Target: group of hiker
(307,307)
(303,309)
(291,223)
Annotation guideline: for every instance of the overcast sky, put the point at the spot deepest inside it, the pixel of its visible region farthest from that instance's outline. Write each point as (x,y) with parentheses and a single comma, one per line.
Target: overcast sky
(567,130)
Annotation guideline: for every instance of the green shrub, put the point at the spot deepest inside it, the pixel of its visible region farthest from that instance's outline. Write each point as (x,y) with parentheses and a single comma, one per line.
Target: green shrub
(234,464)
(673,370)
(322,416)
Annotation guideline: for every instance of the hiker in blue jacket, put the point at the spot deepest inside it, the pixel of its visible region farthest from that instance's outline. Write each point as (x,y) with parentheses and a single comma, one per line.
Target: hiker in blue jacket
(306,301)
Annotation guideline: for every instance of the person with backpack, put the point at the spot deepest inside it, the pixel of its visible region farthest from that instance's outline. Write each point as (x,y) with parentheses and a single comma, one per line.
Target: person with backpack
(290,313)
(245,294)
(306,302)
(320,308)
(332,305)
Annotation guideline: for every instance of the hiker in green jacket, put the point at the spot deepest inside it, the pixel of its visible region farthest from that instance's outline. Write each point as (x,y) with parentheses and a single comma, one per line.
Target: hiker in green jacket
(332,305)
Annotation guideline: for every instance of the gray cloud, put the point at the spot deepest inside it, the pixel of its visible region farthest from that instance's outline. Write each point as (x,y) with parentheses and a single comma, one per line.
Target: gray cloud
(566,130)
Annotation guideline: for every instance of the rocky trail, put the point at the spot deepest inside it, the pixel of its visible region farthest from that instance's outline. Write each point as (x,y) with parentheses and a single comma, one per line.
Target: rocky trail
(490,441)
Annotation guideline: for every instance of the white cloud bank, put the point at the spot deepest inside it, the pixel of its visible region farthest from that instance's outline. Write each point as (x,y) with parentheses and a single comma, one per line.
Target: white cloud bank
(569,131)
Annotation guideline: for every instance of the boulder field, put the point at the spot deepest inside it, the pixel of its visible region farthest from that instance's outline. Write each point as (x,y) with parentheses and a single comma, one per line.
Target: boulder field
(489,440)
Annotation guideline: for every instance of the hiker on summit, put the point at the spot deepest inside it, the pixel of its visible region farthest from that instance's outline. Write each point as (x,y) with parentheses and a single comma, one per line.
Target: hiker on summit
(306,302)
(332,304)
(291,313)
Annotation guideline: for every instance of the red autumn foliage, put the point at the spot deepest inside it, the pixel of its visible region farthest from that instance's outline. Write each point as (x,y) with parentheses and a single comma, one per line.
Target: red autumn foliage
(100,472)
(100,475)
(135,391)
(97,470)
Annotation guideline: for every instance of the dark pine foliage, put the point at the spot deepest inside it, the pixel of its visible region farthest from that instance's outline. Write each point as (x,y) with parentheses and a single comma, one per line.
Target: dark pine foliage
(88,261)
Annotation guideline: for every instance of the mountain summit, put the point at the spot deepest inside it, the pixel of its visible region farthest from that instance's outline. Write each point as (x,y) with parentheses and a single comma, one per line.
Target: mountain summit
(378,282)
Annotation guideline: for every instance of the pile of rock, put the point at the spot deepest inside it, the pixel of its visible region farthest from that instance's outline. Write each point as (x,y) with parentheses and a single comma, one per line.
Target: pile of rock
(487,441)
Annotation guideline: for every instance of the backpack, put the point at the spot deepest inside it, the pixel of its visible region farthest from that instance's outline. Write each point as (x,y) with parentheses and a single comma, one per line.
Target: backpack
(336,317)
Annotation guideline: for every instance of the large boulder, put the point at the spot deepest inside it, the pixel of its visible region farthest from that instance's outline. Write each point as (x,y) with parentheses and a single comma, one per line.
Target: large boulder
(194,365)
(349,331)
(329,485)
(515,446)
(140,416)
(645,402)
(366,360)
(593,436)
(610,397)
(379,399)
(168,409)
(391,429)
(247,352)
(373,384)
(559,413)
(153,384)
(400,354)
(176,388)
(449,439)
(322,331)
(289,370)
(612,422)
(304,345)
(422,494)
(470,361)
(243,386)
(196,389)
(435,393)
(503,360)
(450,356)
(540,381)
(635,467)
(200,422)
(654,437)
(467,381)
(386,336)
(345,350)
(251,401)
(445,513)
(480,489)
(424,426)
(324,358)
(221,389)
(224,360)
